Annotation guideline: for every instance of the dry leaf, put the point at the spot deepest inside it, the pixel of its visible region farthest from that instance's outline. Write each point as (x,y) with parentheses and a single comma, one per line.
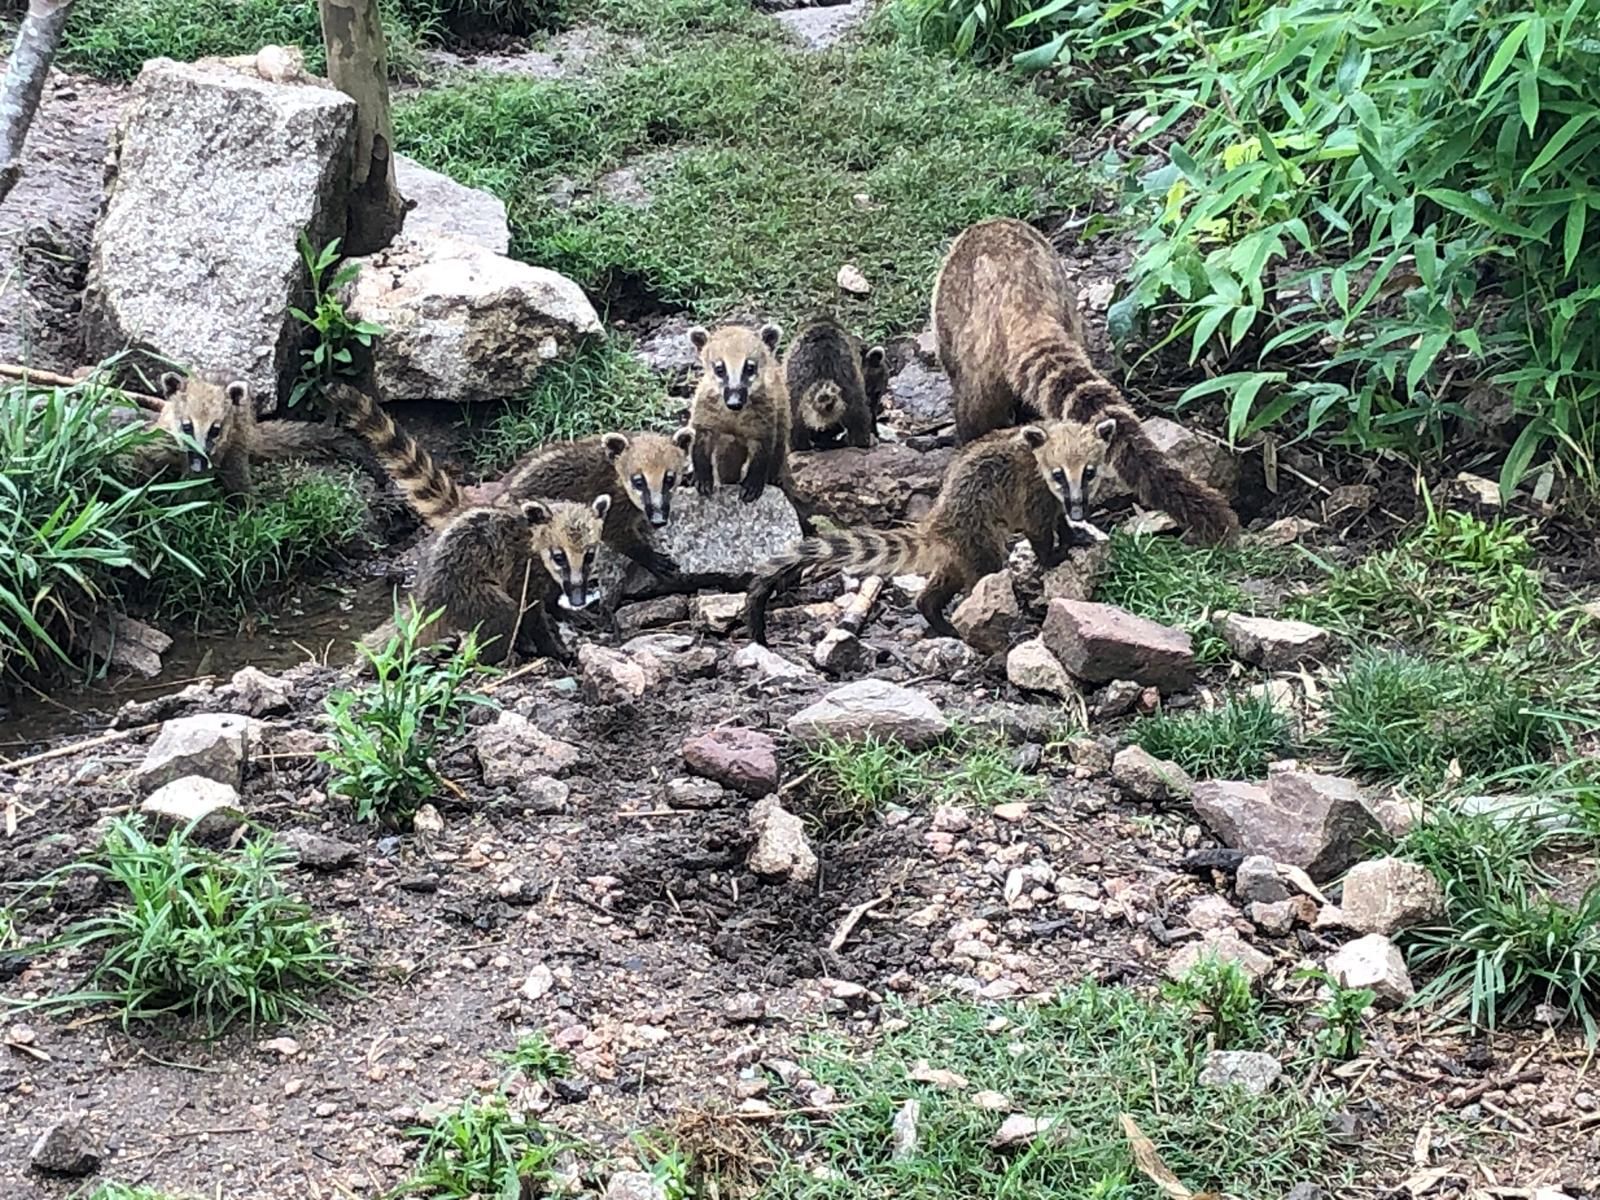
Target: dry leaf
(1302,881)
(1017,1128)
(539,982)
(993,1101)
(1422,1148)
(1013,885)
(1148,1160)
(904,1130)
(921,1072)
(1425,1181)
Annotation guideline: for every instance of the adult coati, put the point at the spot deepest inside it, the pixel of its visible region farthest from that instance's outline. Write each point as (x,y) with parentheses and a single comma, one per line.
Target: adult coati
(1028,481)
(1011,340)
(825,370)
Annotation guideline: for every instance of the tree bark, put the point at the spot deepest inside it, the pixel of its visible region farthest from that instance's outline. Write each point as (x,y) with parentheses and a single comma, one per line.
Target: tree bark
(358,65)
(24,83)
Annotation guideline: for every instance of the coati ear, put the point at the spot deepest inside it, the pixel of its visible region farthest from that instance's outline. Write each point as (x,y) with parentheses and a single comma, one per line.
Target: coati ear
(537,512)
(171,383)
(698,337)
(614,444)
(771,335)
(873,357)
(684,438)
(1107,429)
(238,391)
(602,505)
(1033,436)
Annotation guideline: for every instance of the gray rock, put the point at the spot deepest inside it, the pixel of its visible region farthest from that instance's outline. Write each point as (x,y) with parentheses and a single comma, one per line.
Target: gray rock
(1305,1191)
(942,657)
(821,27)
(1211,912)
(212,808)
(260,694)
(768,665)
(745,1008)
(684,792)
(677,654)
(840,652)
(64,1149)
(1541,811)
(889,482)
(543,795)
(1099,643)
(1145,777)
(1091,753)
(1224,945)
(923,395)
(872,707)
(128,644)
(1199,457)
(987,618)
(1031,667)
(514,748)
(1373,962)
(1276,917)
(444,206)
(781,849)
(315,852)
(668,350)
(1275,645)
(463,324)
(634,619)
(720,612)
(1386,895)
(214,173)
(1258,882)
(610,677)
(1077,577)
(1247,1069)
(212,746)
(721,537)
(743,759)
(1117,699)
(634,1185)
(1315,822)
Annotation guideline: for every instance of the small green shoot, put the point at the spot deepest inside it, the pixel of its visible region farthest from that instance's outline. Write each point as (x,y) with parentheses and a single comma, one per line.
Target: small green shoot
(536,1058)
(1235,740)
(1341,1016)
(1220,994)
(482,1150)
(334,336)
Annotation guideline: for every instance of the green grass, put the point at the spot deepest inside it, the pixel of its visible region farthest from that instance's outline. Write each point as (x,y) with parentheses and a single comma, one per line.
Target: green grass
(298,517)
(1088,1057)
(482,1150)
(1167,580)
(603,387)
(1235,740)
(213,937)
(1409,719)
(536,1058)
(762,152)
(125,1191)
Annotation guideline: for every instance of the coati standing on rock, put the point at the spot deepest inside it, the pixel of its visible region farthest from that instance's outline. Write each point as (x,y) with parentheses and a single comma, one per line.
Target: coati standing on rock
(1029,481)
(645,467)
(740,413)
(1011,340)
(825,372)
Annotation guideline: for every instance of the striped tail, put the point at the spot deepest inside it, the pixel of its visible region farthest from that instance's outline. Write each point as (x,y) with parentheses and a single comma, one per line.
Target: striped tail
(864,551)
(295,439)
(1052,374)
(1160,483)
(429,490)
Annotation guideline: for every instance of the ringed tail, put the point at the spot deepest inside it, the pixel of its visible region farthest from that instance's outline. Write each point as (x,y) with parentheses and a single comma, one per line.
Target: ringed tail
(431,492)
(1052,373)
(867,551)
(294,439)
(1160,483)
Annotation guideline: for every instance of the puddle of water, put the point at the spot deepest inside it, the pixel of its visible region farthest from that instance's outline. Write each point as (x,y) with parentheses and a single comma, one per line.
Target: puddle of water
(316,623)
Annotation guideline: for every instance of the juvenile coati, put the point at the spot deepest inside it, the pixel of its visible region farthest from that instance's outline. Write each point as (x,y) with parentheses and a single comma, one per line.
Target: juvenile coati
(740,413)
(645,467)
(219,418)
(475,571)
(875,376)
(825,372)
(432,494)
(1012,343)
(1026,481)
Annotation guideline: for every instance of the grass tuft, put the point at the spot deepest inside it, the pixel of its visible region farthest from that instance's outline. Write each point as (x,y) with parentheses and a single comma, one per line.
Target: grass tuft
(482,1149)
(127,1191)
(1233,741)
(213,937)
(536,1058)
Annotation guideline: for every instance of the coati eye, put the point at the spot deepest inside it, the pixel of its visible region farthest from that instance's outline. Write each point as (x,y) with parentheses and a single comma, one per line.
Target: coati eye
(720,370)
(188,428)
(668,480)
(1061,477)
(638,482)
(1088,474)
(216,428)
(588,556)
(559,557)
(749,368)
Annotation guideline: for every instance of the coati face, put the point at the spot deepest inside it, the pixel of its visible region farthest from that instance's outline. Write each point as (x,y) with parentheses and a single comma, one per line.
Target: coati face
(875,372)
(202,411)
(1070,456)
(649,466)
(736,358)
(823,408)
(566,537)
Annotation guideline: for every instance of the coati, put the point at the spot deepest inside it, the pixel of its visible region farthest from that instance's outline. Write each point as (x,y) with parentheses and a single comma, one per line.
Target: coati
(1011,340)
(219,418)
(740,413)
(432,494)
(645,467)
(875,376)
(825,372)
(475,571)
(1027,481)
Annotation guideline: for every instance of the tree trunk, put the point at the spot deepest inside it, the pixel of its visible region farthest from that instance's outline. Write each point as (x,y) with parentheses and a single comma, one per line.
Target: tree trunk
(24,83)
(358,65)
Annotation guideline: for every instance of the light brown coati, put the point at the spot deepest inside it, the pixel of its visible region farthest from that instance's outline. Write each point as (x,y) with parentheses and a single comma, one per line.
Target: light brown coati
(432,494)
(475,571)
(645,467)
(1012,343)
(1026,481)
(213,428)
(824,370)
(740,412)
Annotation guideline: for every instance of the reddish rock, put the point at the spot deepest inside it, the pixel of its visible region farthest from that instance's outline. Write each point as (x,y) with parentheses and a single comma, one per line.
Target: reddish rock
(988,617)
(1315,822)
(857,487)
(1099,643)
(743,759)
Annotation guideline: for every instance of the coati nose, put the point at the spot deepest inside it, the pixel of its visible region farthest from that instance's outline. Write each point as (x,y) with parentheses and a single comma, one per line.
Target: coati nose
(658,517)
(734,398)
(197,463)
(1077,512)
(577,596)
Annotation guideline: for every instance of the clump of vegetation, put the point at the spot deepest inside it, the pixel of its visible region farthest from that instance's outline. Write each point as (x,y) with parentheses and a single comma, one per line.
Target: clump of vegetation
(126,1191)
(1340,1016)
(536,1058)
(334,338)
(386,735)
(214,937)
(1167,580)
(1220,995)
(1083,1060)
(1235,740)
(482,1149)
(1417,719)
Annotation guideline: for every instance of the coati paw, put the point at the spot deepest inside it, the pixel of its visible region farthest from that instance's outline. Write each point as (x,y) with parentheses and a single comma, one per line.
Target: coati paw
(704,484)
(751,492)
(659,564)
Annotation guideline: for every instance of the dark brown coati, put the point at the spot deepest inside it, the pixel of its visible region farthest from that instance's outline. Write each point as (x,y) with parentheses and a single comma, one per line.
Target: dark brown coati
(875,377)
(824,372)
(1027,481)
(1012,343)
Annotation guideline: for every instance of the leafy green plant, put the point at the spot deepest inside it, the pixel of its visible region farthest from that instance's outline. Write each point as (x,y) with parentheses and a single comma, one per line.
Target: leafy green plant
(1341,1015)
(127,1191)
(536,1058)
(1235,740)
(667,1163)
(335,336)
(482,1150)
(984,30)
(984,771)
(1219,993)
(859,778)
(386,735)
(204,935)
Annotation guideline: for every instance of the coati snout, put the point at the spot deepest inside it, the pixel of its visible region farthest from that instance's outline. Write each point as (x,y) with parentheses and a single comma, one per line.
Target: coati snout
(735,374)
(650,468)
(568,546)
(203,413)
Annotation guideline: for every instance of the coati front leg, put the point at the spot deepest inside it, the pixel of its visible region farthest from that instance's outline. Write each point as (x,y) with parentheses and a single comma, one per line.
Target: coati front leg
(802,437)
(630,537)
(233,472)
(936,596)
(494,631)
(760,467)
(702,460)
(858,428)
(539,631)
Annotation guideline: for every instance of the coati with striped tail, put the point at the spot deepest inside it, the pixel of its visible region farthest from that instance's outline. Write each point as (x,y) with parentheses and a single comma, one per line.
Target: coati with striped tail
(1011,340)
(218,416)
(1028,481)
(825,372)
(645,467)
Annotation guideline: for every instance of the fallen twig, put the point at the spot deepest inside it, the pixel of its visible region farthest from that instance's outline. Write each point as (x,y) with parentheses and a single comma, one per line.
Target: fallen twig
(852,919)
(51,379)
(116,735)
(1485,1086)
(860,606)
